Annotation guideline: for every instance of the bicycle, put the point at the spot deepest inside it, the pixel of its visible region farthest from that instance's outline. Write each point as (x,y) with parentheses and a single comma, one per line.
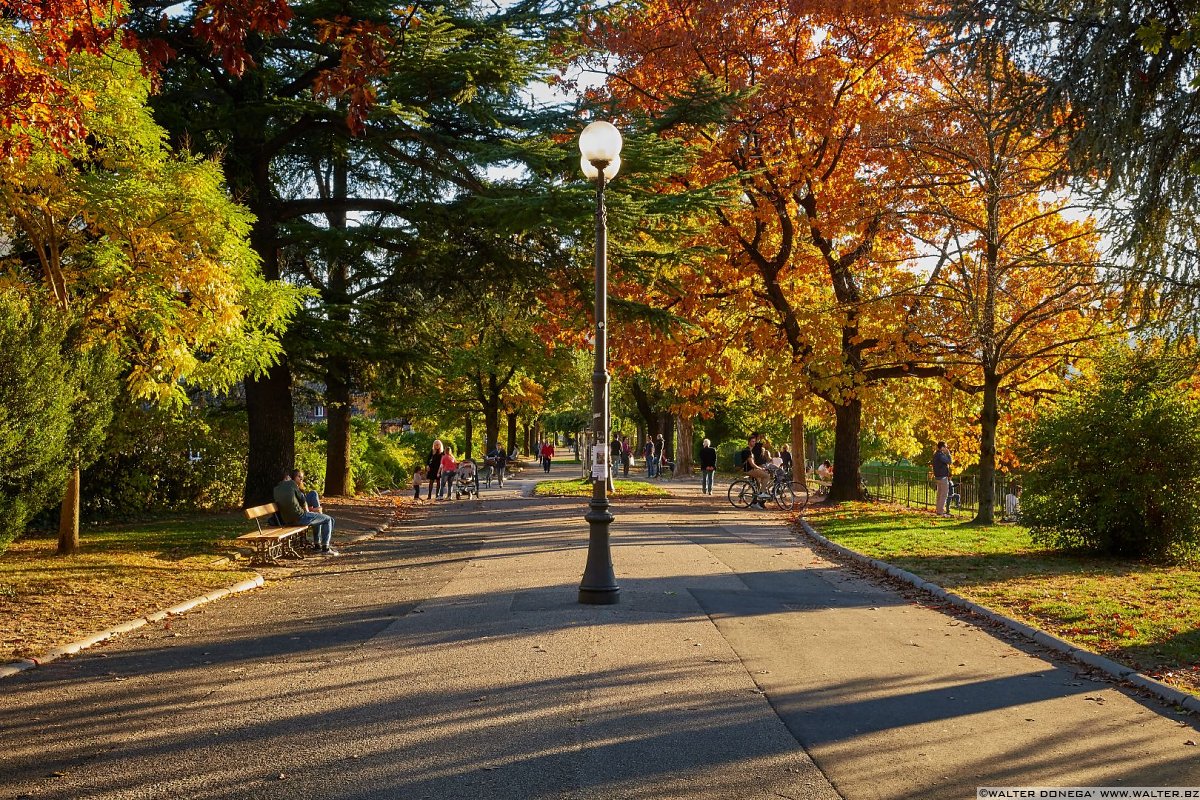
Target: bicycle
(744,491)
(495,469)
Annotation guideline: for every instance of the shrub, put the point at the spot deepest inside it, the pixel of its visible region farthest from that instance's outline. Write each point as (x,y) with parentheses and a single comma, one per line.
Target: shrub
(1115,468)
(35,419)
(377,461)
(162,459)
(380,461)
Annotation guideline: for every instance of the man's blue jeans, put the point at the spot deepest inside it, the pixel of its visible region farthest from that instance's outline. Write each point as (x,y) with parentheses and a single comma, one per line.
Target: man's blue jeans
(706,480)
(324,524)
(651,467)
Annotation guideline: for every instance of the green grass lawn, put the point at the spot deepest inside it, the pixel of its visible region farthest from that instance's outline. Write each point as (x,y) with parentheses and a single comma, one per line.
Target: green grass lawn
(121,572)
(577,487)
(1141,614)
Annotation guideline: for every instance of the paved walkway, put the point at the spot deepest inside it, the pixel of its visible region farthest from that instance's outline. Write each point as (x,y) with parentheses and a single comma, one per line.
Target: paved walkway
(450,659)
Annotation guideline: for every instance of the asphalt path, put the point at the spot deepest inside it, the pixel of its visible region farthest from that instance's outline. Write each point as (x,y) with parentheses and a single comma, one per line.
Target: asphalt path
(448,658)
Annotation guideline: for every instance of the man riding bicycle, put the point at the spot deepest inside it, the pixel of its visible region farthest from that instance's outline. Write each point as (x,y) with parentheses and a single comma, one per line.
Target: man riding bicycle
(751,466)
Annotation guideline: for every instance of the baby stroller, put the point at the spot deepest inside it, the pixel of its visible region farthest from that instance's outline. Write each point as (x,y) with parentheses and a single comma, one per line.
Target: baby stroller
(466,480)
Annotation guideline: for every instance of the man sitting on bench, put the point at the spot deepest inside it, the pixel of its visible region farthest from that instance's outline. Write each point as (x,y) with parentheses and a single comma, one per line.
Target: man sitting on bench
(294,510)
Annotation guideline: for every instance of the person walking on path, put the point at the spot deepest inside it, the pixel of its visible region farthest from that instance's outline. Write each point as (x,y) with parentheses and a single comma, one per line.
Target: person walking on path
(547,454)
(446,476)
(434,466)
(614,454)
(785,458)
(941,474)
(648,454)
(708,466)
(496,459)
(626,455)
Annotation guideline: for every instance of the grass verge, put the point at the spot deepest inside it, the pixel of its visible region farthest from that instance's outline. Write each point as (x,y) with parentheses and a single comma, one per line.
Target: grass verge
(122,572)
(1140,614)
(576,487)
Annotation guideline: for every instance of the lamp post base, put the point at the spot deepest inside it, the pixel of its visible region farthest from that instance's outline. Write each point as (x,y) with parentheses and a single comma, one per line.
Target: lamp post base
(600,597)
(599,584)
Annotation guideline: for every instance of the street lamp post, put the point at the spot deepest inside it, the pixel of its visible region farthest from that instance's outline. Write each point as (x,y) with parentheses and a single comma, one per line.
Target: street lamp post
(600,149)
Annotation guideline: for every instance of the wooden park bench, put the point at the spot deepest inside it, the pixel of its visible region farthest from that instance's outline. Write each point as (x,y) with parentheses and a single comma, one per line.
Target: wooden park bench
(271,543)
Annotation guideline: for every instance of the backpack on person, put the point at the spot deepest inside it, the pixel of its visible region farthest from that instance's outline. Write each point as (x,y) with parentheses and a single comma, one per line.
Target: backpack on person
(741,457)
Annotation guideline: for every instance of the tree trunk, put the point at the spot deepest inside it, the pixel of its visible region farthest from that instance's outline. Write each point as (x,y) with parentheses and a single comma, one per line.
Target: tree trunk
(846,452)
(683,453)
(798,461)
(270,417)
(512,430)
(338,479)
(490,398)
(470,430)
(666,426)
(989,421)
(272,429)
(68,520)
(645,410)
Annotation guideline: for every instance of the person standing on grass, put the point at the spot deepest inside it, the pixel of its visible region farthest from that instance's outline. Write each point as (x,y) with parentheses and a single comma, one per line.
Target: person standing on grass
(708,466)
(941,474)
(433,467)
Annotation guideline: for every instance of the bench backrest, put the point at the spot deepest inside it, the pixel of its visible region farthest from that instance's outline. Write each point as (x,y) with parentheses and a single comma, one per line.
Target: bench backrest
(261,511)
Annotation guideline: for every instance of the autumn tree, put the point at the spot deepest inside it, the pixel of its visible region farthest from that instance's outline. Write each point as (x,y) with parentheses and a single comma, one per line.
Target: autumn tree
(361,140)
(139,248)
(1017,293)
(816,255)
(1119,80)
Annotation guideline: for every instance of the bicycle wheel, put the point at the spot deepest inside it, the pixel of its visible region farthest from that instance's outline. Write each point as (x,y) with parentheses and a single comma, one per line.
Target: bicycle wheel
(785,496)
(741,493)
(801,492)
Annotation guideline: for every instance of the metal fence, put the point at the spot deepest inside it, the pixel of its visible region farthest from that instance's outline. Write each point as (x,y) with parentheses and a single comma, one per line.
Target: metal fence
(916,488)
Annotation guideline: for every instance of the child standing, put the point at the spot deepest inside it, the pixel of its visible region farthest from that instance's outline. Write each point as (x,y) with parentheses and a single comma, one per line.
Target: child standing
(418,479)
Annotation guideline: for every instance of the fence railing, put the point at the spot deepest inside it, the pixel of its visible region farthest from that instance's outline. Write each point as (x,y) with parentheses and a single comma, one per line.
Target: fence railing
(916,489)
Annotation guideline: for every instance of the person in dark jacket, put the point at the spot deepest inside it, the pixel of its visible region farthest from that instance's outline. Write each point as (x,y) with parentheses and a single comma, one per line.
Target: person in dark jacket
(785,456)
(433,468)
(941,473)
(294,510)
(708,466)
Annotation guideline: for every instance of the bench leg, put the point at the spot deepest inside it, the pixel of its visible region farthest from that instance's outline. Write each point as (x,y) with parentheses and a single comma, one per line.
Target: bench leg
(266,553)
(288,548)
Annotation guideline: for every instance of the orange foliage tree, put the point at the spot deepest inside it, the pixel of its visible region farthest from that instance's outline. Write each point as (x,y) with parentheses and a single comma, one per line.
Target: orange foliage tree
(34,99)
(1017,294)
(813,279)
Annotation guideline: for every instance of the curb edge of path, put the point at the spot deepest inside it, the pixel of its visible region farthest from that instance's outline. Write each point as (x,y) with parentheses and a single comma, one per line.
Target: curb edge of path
(1160,690)
(71,649)
(15,667)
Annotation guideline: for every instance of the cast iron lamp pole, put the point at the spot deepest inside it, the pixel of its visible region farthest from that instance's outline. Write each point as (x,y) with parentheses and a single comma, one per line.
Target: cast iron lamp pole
(600,148)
